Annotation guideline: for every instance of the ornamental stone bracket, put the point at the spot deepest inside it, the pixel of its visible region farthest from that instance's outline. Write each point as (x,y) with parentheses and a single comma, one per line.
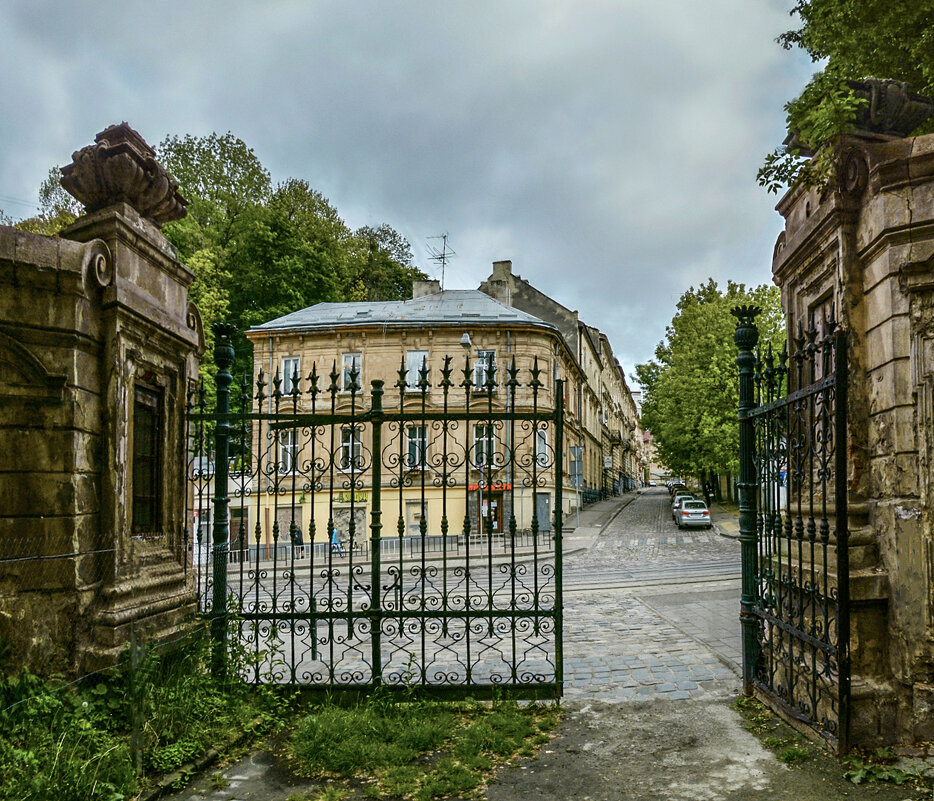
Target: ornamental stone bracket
(121,168)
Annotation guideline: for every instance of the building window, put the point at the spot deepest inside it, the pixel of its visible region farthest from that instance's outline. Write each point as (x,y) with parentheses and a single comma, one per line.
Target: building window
(351,449)
(416,451)
(288,451)
(541,447)
(483,445)
(484,369)
(147,435)
(414,360)
(290,369)
(351,372)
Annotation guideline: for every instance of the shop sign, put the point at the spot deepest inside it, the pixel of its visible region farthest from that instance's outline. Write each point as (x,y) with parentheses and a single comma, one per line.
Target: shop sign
(348,497)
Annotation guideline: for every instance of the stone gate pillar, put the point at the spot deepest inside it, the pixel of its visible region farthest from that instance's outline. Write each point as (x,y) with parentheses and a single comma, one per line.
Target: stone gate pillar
(864,249)
(100,321)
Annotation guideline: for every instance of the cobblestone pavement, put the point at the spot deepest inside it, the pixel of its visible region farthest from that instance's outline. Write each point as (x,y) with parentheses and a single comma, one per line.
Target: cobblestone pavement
(652,612)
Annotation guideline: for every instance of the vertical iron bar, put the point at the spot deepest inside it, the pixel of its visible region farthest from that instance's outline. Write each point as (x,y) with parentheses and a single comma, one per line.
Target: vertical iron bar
(559,557)
(223,358)
(257,573)
(746,336)
(841,376)
(376,419)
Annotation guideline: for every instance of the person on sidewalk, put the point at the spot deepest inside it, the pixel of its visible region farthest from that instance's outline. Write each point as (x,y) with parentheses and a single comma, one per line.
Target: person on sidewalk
(708,493)
(336,543)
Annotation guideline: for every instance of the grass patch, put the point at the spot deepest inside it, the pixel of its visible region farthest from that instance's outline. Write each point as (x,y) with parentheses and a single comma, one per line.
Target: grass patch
(792,754)
(105,738)
(418,749)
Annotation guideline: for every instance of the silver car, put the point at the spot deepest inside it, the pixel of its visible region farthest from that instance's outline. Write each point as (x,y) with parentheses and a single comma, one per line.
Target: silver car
(676,501)
(693,513)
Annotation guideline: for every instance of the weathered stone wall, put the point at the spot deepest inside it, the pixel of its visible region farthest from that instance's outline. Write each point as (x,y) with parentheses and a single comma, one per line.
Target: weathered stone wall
(50,438)
(867,247)
(85,318)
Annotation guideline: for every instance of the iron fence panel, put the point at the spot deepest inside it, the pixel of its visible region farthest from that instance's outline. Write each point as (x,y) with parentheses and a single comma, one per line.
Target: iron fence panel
(794,526)
(388,537)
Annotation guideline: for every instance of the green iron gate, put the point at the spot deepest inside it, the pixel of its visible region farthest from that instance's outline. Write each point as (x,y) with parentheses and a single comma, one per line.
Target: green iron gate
(793,525)
(344,540)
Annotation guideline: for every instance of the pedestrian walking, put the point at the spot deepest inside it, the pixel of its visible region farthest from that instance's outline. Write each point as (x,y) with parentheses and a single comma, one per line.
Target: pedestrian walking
(336,543)
(708,493)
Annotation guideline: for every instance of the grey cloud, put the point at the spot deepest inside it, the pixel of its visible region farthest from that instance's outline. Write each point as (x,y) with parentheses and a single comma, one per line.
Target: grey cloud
(608,148)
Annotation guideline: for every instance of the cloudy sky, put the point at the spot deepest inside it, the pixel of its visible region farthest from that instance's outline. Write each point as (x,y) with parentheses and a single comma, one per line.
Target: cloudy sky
(607,147)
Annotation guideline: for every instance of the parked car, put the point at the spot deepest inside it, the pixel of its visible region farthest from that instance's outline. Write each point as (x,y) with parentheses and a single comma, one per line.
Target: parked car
(676,502)
(693,513)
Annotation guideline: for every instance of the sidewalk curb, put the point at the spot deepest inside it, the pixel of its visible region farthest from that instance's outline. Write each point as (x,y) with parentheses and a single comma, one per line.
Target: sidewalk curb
(192,770)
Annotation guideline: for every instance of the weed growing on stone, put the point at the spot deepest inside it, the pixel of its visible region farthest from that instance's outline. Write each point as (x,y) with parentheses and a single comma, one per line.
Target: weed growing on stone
(419,749)
(104,738)
(878,766)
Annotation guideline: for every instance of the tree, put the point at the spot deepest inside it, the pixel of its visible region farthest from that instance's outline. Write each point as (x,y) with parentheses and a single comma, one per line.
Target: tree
(257,251)
(691,388)
(858,38)
(57,209)
(381,266)
(222,179)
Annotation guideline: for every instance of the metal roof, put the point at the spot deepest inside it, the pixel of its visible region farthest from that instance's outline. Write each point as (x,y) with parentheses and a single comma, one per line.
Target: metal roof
(458,307)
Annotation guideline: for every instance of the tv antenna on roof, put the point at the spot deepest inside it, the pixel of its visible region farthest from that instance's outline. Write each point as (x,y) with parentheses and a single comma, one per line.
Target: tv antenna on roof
(440,256)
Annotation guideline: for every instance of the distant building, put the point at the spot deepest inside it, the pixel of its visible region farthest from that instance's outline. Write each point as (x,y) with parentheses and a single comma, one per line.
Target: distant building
(506,319)
(608,425)
(395,339)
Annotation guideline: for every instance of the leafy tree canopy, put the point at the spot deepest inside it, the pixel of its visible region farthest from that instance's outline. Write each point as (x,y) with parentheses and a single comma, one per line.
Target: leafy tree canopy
(258,250)
(691,387)
(858,39)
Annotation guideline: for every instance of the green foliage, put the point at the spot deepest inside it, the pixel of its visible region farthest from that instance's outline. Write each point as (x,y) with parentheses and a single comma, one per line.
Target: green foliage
(75,742)
(260,251)
(334,740)
(877,766)
(57,209)
(691,387)
(222,179)
(825,109)
(792,754)
(858,39)
(387,740)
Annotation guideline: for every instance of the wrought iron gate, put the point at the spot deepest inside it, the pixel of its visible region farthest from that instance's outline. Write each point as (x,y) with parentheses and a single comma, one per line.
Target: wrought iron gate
(304,475)
(793,525)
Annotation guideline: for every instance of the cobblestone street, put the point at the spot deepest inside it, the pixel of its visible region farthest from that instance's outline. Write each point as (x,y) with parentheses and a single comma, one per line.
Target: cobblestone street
(651,612)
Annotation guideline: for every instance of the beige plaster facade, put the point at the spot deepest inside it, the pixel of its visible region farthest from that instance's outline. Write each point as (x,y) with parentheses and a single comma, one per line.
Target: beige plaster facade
(607,420)
(378,351)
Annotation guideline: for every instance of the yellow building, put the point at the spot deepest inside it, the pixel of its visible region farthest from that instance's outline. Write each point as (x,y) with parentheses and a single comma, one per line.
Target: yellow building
(470,474)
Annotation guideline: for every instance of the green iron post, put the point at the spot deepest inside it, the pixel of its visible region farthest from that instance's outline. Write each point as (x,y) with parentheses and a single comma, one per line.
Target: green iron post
(223,358)
(376,525)
(746,336)
(559,544)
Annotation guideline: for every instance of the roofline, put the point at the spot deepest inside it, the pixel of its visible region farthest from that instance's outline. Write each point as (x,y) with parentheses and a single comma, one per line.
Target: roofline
(254,334)
(465,322)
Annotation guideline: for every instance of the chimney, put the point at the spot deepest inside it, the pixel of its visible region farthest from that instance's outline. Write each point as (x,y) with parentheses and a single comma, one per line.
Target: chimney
(422,288)
(501,270)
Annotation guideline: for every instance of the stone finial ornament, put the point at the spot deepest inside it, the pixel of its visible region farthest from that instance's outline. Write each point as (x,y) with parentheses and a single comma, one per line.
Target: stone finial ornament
(890,109)
(121,168)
